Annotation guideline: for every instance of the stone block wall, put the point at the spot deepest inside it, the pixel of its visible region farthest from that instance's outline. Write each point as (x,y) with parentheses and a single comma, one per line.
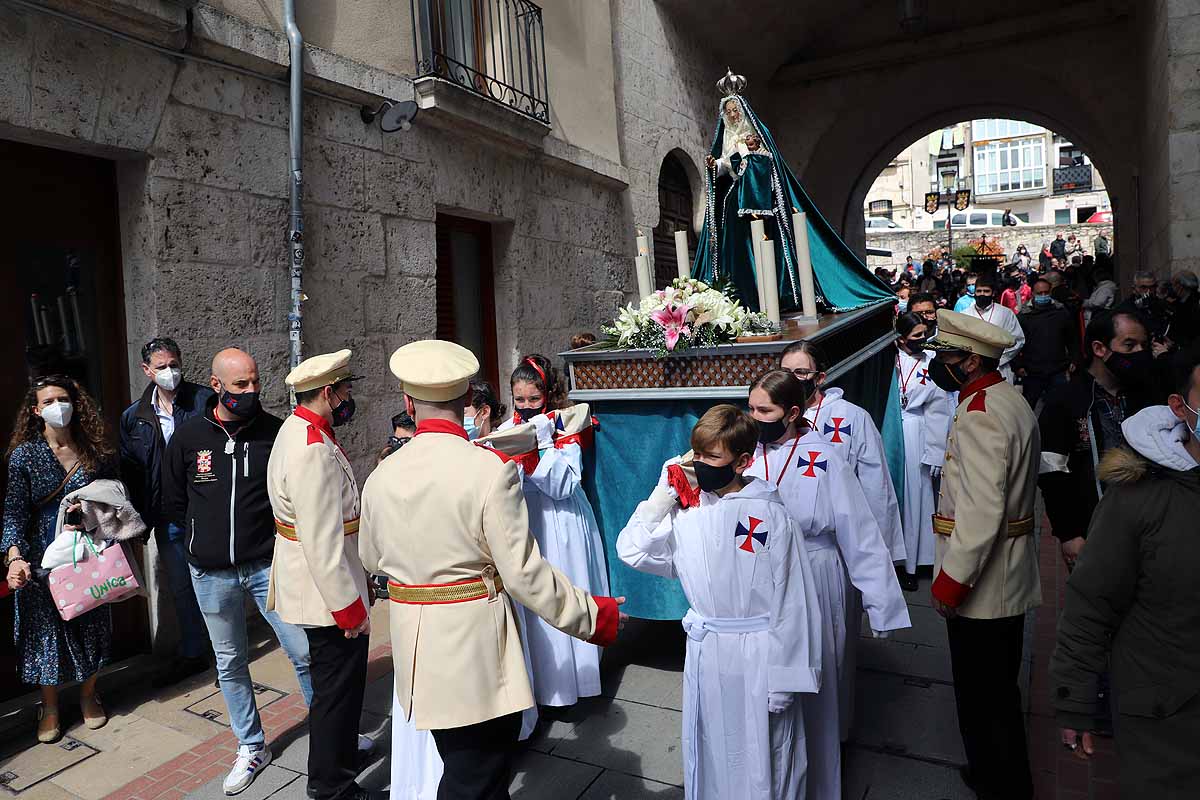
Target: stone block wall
(918,244)
(202,183)
(667,102)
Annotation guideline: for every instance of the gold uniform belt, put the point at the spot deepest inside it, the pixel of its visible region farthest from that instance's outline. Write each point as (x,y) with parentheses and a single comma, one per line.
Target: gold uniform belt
(944,526)
(349,527)
(486,586)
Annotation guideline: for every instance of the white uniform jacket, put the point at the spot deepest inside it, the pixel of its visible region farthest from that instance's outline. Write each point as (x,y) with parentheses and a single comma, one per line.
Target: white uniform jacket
(442,511)
(316,576)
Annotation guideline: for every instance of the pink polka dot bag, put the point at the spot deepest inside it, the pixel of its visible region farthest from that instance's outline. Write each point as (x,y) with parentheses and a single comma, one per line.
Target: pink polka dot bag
(103,576)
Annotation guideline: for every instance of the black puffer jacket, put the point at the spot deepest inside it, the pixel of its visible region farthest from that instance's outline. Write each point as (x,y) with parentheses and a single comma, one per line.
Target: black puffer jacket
(142,446)
(1135,595)
(215,488)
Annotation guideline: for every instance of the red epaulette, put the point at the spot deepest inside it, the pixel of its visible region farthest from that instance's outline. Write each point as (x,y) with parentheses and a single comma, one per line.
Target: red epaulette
(314,435)
(979,401)
(527,462)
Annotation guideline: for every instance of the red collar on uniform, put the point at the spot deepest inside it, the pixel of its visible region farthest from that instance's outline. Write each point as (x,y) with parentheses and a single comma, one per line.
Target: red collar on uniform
(440,426)
(982,382)
(316,421)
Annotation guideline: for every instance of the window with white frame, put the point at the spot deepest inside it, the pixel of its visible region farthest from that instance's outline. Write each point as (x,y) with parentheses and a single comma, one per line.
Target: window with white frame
(1012,165)
(985,129)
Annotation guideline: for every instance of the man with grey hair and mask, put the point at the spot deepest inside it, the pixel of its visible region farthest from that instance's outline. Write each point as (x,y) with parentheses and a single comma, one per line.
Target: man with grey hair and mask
(146,429)
(215,488)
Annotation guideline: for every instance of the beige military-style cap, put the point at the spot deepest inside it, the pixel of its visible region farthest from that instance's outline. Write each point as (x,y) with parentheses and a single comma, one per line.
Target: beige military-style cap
(433,370)
(969,334)
(323,370)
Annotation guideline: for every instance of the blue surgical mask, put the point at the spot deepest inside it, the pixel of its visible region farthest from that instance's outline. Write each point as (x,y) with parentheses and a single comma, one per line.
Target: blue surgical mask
(1042,300)
(902,306)
(471,428)
(970,290)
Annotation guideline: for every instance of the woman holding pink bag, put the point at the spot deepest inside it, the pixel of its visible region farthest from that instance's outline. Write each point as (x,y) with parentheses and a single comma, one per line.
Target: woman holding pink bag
(59,444)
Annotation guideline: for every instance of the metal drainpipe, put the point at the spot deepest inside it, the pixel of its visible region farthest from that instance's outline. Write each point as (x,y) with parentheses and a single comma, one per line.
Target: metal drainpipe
(296,175)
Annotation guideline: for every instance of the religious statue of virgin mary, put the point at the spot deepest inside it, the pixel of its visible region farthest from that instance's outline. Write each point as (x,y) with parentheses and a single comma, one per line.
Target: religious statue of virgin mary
(747,179)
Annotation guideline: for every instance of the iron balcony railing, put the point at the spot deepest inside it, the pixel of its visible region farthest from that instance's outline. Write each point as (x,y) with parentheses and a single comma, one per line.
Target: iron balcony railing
(495,48)
(1076,178)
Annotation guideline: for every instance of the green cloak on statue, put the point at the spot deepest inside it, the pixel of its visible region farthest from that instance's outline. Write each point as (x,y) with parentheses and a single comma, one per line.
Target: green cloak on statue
(747,177)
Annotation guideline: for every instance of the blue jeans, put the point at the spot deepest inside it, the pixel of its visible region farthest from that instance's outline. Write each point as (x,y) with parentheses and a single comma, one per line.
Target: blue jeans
(221,594)
(172,549)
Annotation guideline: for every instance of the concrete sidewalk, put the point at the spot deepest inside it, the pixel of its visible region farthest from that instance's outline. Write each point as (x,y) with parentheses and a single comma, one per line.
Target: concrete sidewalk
(625,744)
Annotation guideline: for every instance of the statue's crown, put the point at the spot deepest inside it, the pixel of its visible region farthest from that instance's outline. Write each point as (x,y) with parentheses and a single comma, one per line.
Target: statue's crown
(731,84)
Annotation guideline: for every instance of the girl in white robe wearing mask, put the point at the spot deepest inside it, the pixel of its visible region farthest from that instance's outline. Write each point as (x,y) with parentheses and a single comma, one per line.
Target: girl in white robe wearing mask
(564,669)
(753,629)
(845,548)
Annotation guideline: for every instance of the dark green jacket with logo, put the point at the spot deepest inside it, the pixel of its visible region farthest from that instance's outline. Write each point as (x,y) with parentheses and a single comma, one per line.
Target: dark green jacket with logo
(1135,593)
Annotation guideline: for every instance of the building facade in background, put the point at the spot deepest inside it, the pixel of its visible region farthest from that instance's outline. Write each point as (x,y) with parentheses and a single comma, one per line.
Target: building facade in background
(1041,176)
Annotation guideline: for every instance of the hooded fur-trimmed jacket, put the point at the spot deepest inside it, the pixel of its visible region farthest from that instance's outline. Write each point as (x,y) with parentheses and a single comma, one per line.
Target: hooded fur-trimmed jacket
(1134,594)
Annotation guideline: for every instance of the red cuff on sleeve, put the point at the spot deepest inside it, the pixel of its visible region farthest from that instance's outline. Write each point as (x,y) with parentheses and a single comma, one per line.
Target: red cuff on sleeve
(688,496)
(608,619)
(948,590)
(351,616)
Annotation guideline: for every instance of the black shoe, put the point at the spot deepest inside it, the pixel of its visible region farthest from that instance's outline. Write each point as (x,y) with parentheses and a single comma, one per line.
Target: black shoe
(355,792)
(179,670)
(908,582)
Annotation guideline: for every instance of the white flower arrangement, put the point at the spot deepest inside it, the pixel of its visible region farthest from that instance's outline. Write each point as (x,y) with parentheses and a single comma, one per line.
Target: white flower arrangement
(688,313)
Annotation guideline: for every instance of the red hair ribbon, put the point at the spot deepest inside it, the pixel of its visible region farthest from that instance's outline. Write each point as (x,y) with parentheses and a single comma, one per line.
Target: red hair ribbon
(538,370)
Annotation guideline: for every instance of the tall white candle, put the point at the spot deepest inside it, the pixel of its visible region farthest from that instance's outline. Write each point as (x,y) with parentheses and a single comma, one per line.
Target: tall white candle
(770,280)
(643,244)
(808,294)
(645,282)
(681,255)
(757,234)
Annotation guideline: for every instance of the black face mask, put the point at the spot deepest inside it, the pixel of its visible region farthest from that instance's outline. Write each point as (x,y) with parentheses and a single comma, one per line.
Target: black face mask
(914,347)
(713,478)
(1132,370)
(343,412)
(396,442)
(527,414)
(983,301)
(771,431)
(947,377)
(242,406)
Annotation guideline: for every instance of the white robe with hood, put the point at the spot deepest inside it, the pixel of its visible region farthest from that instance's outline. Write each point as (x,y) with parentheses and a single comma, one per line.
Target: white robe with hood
(740,558)
(846,552)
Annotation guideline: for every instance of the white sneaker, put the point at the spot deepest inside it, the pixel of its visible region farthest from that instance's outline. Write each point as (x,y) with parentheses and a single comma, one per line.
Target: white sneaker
(246,768)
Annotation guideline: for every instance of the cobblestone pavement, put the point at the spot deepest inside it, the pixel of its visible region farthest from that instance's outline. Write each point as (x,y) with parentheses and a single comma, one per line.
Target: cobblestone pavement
(625,744)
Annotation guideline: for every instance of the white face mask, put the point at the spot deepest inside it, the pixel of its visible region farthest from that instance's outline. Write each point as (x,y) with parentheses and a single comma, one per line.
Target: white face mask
(168,377)
(57,414)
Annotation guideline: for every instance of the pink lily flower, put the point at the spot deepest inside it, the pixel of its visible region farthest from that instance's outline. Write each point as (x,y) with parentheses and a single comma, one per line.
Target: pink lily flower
(673,319)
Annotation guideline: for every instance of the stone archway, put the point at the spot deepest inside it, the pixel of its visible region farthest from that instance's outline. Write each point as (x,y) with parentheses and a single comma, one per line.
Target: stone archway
(839,129)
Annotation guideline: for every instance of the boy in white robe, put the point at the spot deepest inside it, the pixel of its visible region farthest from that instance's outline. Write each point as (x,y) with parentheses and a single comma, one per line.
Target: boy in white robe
(754,632)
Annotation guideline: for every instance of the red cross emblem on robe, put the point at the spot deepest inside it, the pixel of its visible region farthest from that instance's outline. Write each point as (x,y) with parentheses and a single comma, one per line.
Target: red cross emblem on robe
(751,533)
(924,376)
(811,465)
(838,427)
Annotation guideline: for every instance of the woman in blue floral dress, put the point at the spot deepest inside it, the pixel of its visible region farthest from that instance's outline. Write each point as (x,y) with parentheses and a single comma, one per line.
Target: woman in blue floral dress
(59,444)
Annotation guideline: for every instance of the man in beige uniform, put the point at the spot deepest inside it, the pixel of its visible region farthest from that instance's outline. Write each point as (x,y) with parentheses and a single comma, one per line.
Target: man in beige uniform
(986,568)
(446,521)
(317,580)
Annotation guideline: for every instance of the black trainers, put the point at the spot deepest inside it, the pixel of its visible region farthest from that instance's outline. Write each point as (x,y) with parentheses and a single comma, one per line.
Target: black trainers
(908,582)
(179,670)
